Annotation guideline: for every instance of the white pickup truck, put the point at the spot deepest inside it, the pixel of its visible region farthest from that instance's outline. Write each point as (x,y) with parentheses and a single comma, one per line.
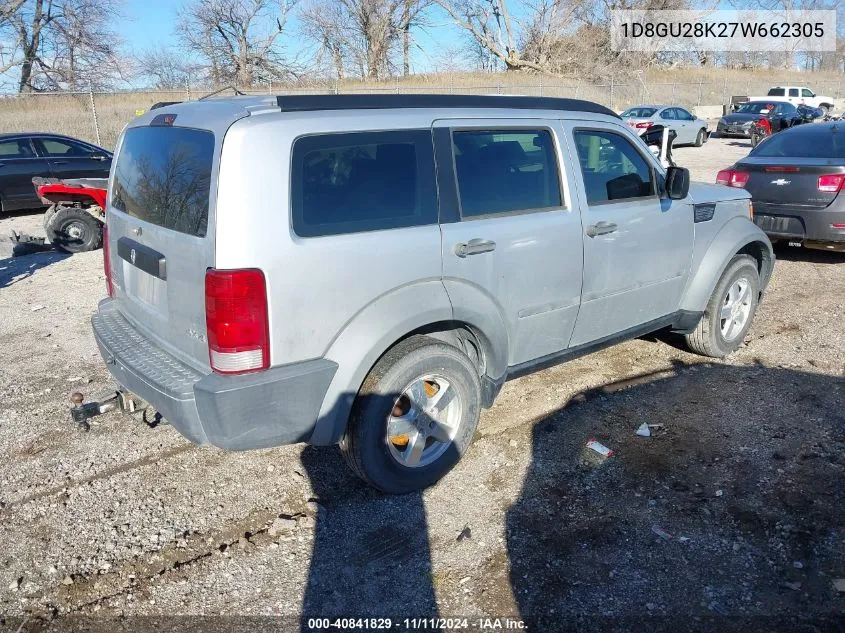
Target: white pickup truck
(797,95)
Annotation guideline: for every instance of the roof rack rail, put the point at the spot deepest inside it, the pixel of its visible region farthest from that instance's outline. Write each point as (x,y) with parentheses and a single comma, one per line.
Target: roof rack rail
(301,103)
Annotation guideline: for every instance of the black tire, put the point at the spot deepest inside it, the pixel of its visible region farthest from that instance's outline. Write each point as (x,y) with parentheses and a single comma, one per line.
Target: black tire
(74,230)
(707,339)
(365,446)
(701,137)
(825,108)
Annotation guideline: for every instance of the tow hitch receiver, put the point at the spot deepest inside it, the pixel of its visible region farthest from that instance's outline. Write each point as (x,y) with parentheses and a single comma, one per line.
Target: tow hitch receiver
(81,413)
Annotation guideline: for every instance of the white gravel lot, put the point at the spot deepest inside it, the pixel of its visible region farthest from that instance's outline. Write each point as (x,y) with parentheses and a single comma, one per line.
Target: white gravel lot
(128,520)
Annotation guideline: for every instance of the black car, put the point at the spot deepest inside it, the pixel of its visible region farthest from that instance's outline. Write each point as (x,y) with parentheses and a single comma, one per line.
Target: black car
(781,115)
(794,179)
(25,155)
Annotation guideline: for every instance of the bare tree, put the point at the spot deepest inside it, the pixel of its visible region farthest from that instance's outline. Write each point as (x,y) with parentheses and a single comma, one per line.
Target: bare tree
(363,33)
(166,69)
(60,43)
(239,40)
(322,23)
(492,25)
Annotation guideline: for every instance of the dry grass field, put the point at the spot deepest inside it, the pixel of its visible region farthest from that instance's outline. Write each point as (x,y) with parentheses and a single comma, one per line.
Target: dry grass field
(71,113)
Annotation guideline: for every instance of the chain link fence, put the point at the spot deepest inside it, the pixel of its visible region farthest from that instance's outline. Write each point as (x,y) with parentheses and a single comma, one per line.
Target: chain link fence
(99,116)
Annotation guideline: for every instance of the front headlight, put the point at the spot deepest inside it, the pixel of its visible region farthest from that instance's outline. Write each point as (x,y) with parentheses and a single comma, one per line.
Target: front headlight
(722,121)
(748,124)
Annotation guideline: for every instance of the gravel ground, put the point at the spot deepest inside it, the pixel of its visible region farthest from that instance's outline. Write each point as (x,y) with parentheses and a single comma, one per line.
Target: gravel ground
(732,509)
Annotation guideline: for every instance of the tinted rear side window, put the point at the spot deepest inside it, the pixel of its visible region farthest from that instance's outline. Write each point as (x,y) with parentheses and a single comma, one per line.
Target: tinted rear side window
(501,171)
(809,141)
(362,181)
(776,92)
(163,176)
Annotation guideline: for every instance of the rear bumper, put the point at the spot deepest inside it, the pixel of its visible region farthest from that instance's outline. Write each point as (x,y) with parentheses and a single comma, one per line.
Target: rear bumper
(269,408)
(800,224)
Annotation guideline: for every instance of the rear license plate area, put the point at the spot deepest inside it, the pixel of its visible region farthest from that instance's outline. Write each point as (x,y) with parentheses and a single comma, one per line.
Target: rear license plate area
(782,225)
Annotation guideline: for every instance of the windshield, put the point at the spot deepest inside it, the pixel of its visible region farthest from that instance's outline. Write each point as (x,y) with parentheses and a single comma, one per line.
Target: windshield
(163,176)
(810,141)
(755,107)
(638,113)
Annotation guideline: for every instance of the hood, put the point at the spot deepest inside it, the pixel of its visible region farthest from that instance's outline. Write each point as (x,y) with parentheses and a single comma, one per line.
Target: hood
(741,117)
(705,192)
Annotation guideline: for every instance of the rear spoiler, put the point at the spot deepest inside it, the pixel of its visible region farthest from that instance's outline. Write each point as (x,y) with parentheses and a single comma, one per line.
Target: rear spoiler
(163,104)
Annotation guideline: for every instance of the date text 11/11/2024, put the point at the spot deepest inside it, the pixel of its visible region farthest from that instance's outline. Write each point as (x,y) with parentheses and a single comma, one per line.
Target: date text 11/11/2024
(417,624)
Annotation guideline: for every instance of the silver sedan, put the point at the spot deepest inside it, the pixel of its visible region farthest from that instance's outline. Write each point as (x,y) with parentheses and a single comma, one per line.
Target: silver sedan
(690,130)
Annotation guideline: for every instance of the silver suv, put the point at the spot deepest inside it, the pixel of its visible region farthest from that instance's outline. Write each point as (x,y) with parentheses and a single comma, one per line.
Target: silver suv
(368,270)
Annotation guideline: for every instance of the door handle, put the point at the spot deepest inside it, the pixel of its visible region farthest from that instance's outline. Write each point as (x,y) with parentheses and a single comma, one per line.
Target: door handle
(59,162)
(601,228)
(474,247)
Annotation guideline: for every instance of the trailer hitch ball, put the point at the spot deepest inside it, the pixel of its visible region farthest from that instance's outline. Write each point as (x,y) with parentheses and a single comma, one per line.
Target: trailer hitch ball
(76,398)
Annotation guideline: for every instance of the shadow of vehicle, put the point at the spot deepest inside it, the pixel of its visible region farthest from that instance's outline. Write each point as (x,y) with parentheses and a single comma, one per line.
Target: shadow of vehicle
(15,269)
(799,254)
(728,517)
(371,553)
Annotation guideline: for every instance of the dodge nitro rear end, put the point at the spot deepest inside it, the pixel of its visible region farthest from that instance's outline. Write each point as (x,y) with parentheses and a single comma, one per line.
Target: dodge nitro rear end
(368,270)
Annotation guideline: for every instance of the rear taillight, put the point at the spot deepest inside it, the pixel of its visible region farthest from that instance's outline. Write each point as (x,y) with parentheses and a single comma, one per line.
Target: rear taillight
(236,320)
(107,261)
(732,178)
(831,183)
(644,125)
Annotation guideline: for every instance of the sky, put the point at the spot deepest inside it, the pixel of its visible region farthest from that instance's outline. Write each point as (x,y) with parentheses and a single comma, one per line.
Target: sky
(150,24)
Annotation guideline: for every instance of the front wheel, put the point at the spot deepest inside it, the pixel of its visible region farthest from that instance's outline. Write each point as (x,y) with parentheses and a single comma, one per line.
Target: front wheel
(701,137)
(414,416)
(730,311)
(74,230)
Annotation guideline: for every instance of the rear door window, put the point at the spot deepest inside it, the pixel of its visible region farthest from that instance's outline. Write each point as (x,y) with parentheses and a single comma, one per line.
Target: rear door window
(163,176)
(805,141)
(793,92)
(18,148)
(54,147)
(612,167)
(362,181)
(503,171)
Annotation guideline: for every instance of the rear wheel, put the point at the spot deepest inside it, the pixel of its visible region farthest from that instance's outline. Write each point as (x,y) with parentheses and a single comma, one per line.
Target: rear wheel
(414,416)
(73,230)
(701,137)
(729,312)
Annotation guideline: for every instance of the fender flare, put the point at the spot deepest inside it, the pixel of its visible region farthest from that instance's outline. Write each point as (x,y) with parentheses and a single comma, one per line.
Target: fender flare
(379,326)
(736,235)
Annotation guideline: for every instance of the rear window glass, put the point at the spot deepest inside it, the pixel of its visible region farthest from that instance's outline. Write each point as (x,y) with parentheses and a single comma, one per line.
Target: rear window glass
(811,141)
(163,176)
(362,181)
(638,113)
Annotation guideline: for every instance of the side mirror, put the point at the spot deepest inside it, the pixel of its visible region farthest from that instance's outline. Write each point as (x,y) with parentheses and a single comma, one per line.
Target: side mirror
(677,183)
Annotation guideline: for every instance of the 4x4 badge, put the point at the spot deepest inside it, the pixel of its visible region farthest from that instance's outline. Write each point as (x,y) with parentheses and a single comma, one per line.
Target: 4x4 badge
(132,255)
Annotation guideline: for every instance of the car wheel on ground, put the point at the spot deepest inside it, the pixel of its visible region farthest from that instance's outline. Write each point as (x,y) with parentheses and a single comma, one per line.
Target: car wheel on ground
(73,230)
(701,137)
(414,416)
(729,311)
